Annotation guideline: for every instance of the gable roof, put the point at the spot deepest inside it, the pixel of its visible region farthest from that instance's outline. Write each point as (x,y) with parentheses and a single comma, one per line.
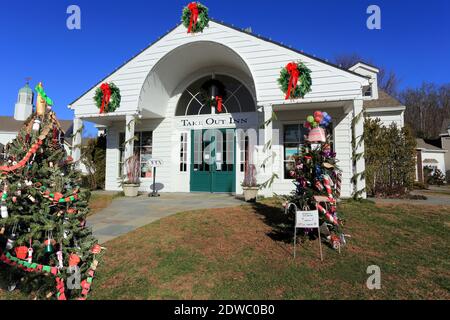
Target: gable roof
(9,124)
(421,144)
(384,100)
(236,29)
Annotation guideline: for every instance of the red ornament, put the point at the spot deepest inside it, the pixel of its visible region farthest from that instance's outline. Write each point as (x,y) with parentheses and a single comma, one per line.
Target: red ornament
(96,249)
(294,73)
(194,15)
(21,252)
(74,260)
(106,90)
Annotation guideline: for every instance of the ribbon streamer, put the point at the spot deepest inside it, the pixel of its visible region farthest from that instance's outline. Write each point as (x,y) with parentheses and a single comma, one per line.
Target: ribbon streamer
(294,73)
(40,90)
(106,90)
(219,103)
(194,15)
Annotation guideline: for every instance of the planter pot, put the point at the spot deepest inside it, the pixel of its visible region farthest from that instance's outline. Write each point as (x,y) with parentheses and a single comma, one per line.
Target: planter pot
(131,190)
(250,193)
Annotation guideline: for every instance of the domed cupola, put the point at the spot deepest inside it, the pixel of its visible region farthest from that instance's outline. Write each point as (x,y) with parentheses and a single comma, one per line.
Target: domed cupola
(24,105)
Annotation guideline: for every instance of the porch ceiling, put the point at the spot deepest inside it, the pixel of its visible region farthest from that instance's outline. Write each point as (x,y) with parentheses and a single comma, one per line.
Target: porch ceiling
(313,105)
(180,66)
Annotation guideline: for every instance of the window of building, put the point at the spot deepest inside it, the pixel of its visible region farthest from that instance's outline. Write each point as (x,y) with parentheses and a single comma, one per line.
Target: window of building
(294,139)
(243,149)
(183,152)
(194,100)
(143,147)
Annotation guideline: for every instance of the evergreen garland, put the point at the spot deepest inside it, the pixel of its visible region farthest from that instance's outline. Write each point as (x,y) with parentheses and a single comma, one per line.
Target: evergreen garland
(114,103)
(203,18)
(303,85)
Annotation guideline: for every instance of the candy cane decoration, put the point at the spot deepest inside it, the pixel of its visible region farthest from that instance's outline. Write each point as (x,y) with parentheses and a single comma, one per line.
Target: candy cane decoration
(327,184)
(328,215)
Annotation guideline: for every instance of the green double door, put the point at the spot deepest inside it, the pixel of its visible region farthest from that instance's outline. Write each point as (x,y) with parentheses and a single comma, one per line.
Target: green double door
(213,160)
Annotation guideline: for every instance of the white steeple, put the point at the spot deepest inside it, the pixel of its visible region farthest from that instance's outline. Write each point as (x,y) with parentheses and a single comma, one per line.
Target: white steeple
(24,105)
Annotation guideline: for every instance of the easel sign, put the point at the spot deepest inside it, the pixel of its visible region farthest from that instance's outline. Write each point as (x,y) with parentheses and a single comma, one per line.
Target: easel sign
(154,163)
(308,219)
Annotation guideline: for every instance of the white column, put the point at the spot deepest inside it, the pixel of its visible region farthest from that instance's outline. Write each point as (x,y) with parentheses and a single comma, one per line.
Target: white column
(359,165)
(130,122)
(77,139)
(267,169)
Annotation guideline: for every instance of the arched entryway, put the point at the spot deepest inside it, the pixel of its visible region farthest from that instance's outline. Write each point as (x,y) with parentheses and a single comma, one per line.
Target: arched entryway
(213,150)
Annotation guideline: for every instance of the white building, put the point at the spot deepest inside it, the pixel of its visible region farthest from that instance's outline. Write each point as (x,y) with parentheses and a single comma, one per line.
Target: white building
(429,156)
(159,88)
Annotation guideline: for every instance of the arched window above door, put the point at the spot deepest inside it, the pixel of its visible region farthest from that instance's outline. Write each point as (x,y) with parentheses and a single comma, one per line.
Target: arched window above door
(195,99)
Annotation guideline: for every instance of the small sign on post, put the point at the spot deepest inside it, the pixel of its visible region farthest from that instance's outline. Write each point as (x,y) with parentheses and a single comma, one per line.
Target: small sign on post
(308,219)
(154,163)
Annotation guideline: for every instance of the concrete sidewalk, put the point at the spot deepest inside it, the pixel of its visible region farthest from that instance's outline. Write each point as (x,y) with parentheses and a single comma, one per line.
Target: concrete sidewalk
(127,214)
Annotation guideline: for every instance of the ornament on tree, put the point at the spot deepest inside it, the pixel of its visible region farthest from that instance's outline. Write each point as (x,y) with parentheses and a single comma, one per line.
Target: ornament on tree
(59,255)
(74,260)
(30,254)
(21,252)
(11,241)
(42,100)
(295,80)
(195,17)
(49,242)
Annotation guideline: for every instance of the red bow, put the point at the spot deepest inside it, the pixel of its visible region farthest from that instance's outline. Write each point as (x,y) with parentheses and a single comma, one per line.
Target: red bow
(106,90)
(294,73)
(219,103)
(194,15)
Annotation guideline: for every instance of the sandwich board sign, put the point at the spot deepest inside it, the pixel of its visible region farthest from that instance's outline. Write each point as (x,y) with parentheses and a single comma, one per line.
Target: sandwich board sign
(307,219)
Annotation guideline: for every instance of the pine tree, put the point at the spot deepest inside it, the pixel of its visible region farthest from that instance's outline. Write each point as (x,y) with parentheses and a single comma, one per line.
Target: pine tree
(317,178)
(44,209)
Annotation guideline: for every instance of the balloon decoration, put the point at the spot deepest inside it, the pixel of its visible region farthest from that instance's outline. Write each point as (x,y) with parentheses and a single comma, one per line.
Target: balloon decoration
(195,17)
(295,80)
(107,97)
(317,123)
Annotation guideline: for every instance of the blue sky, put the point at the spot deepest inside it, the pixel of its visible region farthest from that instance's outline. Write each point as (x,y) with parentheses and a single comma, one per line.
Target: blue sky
(413,41)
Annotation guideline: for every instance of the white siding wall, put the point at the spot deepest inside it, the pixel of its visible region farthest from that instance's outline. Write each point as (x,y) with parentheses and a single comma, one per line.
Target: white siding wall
(388,117)
(7,137)
(438,156)
(263,58)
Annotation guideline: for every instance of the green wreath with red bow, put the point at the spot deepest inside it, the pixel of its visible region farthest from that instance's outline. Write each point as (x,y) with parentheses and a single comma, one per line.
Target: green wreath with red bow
(107,97)
(195,17)
(295,80)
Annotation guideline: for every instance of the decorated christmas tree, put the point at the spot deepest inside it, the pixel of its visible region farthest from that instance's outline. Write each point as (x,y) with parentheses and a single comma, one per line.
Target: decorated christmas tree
(43,238)
(317,178)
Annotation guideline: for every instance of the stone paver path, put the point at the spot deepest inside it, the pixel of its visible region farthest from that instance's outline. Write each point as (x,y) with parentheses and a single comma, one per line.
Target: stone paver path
(127,214)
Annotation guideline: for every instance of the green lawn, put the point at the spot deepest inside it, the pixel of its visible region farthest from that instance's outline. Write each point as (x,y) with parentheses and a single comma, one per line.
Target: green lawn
(245,253)
(242,253)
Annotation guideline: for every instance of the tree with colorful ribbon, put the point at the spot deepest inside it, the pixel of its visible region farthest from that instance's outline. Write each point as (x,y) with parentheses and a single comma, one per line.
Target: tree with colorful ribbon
(195,17)
(107,97)
(43,214)
(317,177)
(295,80)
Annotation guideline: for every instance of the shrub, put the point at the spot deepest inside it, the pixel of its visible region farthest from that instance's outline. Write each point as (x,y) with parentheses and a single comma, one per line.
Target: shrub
(436,177)
(390,159)
(94,159)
